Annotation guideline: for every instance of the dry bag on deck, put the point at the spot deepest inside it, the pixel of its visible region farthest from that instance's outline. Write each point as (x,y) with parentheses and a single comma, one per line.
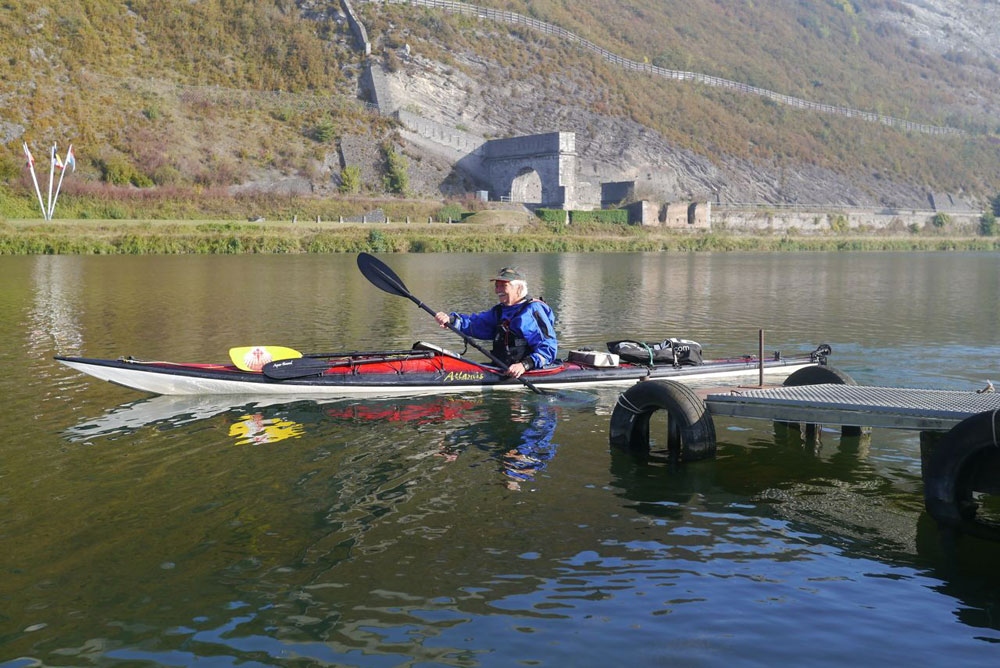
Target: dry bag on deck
(671,351)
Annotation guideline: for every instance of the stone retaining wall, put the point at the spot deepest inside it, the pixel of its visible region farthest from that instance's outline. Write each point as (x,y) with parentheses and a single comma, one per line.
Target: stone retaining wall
(357,27)
(820,222)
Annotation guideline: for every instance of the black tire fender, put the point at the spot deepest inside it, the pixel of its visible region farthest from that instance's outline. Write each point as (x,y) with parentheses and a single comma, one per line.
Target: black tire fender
(818,375)
(955,460)
(822,375)
(691,430)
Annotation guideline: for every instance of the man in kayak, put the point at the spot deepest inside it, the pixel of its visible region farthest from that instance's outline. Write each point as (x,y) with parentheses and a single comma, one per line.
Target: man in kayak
(522,329)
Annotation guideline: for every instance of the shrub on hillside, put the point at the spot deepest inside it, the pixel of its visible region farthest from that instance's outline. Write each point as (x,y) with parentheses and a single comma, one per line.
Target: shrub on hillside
(167,175)
(551,216)
(396,179)
(350,180)
(10,167)
(612,216)
(839,223)
(940,220)
(988,224)
(324,131)
(450,212)
(118,171)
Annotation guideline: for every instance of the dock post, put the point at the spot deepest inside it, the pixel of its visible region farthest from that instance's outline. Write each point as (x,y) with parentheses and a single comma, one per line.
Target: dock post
(760,358)
(929,441)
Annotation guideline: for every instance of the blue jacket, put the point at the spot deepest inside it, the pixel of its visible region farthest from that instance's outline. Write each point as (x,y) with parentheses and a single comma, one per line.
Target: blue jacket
(534,322)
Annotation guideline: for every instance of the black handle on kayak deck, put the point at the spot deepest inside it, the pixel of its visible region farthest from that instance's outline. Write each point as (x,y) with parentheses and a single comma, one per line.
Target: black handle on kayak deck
(383,278)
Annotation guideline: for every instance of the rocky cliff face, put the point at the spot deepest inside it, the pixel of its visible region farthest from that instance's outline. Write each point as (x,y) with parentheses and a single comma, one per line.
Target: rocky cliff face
(486,99)
(618,149)
(966,31)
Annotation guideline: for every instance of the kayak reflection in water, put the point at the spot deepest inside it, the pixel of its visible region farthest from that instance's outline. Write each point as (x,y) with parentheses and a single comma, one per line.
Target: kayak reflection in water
(522,328)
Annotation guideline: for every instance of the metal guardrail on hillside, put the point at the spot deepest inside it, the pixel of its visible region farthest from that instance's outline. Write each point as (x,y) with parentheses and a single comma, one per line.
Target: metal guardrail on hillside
(504,16)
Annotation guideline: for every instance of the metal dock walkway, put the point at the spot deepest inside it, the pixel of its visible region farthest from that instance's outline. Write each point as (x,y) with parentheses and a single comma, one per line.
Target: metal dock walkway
(959,431)
(855,405)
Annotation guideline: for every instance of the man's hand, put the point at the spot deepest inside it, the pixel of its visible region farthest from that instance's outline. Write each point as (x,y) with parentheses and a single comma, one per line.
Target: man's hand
(442,319)
(516,370)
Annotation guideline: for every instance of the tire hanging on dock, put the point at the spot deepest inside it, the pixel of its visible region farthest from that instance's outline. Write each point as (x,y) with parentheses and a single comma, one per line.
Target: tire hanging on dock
(818,375)
(690,428)
(821,375)
(960,457)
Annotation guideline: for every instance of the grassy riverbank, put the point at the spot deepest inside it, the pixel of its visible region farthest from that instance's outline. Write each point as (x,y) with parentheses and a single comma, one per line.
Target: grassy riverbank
(108,237)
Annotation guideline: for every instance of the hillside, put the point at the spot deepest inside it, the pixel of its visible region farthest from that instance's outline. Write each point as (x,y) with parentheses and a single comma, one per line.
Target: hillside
(263,95)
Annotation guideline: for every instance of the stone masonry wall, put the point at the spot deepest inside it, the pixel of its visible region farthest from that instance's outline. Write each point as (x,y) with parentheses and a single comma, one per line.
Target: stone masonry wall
(859,221)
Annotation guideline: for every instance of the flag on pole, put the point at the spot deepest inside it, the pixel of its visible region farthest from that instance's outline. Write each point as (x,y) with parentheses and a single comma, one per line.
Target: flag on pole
(70,161)
(52,171)
(34,179)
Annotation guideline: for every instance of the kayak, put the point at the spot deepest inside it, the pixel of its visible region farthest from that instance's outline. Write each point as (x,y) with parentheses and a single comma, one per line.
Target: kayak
(426,369)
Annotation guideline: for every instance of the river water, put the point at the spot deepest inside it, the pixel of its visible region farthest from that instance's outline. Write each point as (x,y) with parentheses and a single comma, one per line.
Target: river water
(476,530)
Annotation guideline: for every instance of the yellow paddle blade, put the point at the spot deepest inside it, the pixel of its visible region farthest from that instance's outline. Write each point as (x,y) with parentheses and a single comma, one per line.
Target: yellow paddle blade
(253,358)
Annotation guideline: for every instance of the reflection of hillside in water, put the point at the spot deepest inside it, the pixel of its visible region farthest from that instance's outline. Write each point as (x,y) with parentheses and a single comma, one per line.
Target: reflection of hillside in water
(54,318)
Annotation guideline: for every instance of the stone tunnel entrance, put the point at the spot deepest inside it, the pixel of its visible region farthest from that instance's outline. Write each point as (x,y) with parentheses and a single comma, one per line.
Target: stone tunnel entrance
(526,187)
(536,169)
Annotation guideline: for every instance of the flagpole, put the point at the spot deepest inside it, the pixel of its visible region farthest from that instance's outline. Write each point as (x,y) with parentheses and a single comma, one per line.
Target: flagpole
(34,179)
(52,171)
(62,175)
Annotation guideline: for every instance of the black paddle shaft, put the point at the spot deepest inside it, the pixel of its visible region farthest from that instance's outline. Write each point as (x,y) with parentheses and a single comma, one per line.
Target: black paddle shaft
(383,278)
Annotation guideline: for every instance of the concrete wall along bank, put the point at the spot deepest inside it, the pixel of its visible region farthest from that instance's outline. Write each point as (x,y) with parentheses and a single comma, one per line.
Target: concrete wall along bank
(826,221)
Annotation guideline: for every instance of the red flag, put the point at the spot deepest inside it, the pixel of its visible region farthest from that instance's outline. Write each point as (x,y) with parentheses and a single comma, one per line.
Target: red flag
(27,154)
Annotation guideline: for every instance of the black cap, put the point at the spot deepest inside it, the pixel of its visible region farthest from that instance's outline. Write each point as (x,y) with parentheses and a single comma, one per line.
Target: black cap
(509,274)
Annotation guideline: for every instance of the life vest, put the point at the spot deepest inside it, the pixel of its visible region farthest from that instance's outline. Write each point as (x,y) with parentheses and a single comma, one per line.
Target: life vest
(509,346)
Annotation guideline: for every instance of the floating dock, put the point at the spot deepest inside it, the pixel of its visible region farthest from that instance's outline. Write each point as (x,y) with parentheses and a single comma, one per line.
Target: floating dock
(855,405)
(959,431)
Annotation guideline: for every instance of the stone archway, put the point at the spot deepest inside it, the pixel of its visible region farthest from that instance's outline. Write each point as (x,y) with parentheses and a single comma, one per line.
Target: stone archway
(535,169)
(526,187)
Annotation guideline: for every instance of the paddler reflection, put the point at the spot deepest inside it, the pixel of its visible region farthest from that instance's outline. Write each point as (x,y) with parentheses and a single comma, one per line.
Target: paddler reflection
(534,448)
(515,429)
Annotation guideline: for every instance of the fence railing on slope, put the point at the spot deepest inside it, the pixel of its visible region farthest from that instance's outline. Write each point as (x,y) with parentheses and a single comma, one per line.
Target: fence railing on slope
(505,16)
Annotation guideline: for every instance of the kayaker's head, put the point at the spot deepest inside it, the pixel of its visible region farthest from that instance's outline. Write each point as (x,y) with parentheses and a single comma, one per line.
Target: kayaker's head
(510,285)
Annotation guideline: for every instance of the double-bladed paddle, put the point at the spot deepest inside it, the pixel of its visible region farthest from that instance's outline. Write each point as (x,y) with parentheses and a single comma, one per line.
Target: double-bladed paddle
(383,278)
(303,367)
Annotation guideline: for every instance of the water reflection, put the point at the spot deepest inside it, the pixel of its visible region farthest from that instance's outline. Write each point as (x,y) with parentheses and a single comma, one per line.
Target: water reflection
(385,534)
(515,429)
(813,493)
(167,412)
(255,429)
(54,317)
